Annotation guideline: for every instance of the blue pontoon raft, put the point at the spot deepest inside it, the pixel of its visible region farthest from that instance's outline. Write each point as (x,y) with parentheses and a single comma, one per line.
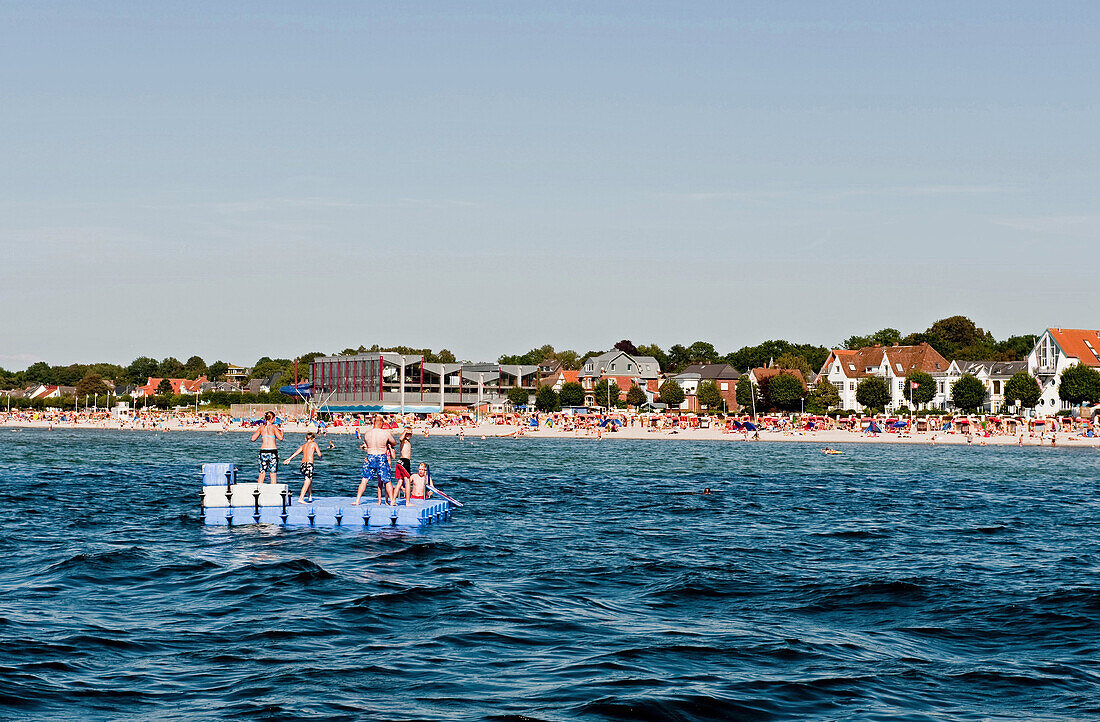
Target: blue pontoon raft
(225,502)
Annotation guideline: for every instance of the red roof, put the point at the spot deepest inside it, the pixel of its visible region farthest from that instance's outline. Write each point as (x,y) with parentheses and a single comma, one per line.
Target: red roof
(179,386)
(910,358)
(763,373)
(1079,343)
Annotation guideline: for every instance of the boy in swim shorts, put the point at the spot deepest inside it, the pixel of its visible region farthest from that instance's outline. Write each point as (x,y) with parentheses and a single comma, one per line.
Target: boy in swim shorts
(269,453)
(307,450)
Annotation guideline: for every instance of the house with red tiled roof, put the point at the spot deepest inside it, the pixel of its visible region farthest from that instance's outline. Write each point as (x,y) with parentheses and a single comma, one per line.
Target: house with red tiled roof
(49,391)
(845,368)
(179,386)
(558,378)
(1056,350)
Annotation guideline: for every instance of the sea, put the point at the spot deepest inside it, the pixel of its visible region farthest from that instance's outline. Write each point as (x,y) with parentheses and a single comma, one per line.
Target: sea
(582,579)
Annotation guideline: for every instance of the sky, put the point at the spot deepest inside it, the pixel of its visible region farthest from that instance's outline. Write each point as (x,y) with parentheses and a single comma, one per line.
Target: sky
(247,179)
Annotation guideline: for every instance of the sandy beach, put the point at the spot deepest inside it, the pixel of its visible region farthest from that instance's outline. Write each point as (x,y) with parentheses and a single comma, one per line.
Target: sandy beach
(491,430)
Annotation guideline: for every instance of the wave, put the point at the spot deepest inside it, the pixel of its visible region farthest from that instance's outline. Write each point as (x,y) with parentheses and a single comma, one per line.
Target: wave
(680,709)
(875,594)
(856,533)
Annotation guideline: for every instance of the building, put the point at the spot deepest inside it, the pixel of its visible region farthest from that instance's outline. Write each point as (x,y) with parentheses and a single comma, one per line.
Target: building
(845,368)
(179,386)
(624,370)
(49,391)
(237,374)
(558,378)
(1056,350)
(724,377)
(993,375)
(759,375)
(389,382)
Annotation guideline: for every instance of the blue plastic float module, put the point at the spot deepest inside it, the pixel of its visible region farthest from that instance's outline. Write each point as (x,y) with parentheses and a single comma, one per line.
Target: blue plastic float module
(333,511)
(218,474)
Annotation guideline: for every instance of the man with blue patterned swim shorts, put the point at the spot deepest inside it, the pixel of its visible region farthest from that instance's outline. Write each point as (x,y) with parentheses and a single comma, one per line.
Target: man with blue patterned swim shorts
(379,445)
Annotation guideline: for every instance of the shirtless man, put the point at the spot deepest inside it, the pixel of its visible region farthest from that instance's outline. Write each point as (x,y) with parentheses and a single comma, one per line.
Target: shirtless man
(406,448)
(269,454)
(379,445)
(308,450)
(417,484)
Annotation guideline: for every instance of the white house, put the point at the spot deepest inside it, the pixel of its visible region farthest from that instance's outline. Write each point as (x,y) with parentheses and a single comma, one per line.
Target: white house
(1056,350)
(993,375)
(845,368)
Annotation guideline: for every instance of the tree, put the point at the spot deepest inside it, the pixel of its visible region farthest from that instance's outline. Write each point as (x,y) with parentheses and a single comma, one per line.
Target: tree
(635,396)
(546,399)
(605,392)
(194,367)
(968,393)
(569,359)
(956,337)
(671,394)
(926,387)
(571,394)
(885,337)
(873,393)
(627,347)
(1022,390)
(140,369)
(518,395)
(164,387)
(750,357)
(446,357)
(266,367)
(1079,384)
(790,360)
(655,351)
(823,397)
(91,384)
(708,395)
(216,371)
(1016,348)
(38,372)
(785,391)
(170,368)
(748,396)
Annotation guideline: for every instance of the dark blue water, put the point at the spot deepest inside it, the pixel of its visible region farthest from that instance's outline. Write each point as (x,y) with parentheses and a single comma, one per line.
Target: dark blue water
(583,579)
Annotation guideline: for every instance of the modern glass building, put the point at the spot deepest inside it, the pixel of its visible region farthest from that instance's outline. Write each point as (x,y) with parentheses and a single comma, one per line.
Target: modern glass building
(384,382)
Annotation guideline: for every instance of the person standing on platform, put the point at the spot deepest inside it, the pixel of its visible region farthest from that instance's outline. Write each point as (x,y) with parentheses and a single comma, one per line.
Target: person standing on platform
(307,450)
(269,452)
(406,448)
(379,445)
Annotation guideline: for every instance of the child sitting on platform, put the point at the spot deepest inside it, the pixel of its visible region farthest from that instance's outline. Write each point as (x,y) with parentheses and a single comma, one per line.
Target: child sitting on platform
(416,486)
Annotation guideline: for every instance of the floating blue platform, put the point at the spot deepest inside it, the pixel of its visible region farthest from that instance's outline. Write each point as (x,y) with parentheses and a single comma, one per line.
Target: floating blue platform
(231,504)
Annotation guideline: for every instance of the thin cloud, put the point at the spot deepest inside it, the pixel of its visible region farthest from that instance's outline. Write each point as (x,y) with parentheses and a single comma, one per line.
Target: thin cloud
(900,191)
(1055,225)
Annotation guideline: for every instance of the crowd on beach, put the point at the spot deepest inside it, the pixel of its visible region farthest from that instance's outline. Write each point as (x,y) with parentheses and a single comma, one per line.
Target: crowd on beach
(988,429)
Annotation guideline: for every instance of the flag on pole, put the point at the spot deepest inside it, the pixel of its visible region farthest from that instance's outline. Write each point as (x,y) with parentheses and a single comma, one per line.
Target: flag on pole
(913,385)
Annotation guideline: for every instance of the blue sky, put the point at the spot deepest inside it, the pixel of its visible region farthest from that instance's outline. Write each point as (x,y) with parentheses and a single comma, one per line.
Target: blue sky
(246,179)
